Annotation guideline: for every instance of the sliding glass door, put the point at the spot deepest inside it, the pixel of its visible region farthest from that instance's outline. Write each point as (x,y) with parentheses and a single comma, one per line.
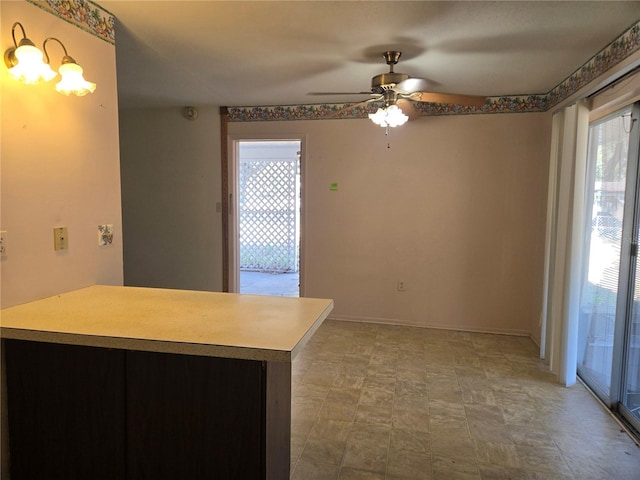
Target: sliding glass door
(630,395)
(629,401)
(609,331)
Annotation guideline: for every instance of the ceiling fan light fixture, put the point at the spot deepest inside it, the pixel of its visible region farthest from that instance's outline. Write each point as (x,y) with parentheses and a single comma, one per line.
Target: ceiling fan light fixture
(390,116)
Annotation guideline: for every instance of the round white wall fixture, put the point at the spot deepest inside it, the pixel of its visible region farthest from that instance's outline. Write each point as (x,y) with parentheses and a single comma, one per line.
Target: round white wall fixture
(190,113)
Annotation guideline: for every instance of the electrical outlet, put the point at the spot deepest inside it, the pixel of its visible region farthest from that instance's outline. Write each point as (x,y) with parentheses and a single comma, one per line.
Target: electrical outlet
(3,243)
(60,238)
(401,286)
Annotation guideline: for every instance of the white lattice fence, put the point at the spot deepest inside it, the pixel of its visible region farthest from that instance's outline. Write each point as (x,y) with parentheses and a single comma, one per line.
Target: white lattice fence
(268,215)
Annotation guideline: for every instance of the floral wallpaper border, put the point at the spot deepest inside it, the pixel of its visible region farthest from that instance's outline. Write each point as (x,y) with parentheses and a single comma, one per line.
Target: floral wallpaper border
(328,111)
(84,14)
(96,20)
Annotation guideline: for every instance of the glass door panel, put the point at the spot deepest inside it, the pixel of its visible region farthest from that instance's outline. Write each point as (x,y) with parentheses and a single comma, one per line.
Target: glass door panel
(629,406)
(630,398)
(606,188)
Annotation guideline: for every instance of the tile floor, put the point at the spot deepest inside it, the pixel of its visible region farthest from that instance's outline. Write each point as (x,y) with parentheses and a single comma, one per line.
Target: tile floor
(397,403)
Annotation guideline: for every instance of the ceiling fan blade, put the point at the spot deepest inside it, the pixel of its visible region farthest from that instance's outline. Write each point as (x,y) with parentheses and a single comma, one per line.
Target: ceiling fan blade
(339,93)
(451,98)
(407,108)
(356,105)
(411,85)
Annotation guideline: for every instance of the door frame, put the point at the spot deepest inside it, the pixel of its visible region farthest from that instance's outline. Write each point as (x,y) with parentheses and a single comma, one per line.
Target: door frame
(230,187)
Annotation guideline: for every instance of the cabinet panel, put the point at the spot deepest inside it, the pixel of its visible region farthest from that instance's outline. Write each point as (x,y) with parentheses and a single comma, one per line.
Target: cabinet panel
(194,417)
(66,411)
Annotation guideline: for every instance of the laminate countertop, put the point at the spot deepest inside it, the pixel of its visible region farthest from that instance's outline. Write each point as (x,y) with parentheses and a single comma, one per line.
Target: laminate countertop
(251,327)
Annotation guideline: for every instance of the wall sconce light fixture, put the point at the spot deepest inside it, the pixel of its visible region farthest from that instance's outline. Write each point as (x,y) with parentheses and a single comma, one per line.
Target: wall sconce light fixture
(24,60)
(72,80)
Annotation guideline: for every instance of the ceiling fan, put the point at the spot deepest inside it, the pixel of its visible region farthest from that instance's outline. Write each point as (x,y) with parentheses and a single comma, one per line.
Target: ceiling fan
(398,91)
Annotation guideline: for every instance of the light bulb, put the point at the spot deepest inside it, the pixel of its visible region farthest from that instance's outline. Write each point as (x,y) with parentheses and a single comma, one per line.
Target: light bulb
(392,116)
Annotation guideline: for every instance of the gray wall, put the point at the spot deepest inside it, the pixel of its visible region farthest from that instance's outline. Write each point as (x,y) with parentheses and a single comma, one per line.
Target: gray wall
(170,169)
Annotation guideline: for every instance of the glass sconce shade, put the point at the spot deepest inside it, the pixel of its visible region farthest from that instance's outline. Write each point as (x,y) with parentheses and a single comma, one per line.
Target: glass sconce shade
(390,116)
(25,63)
(24,60)
(73,81)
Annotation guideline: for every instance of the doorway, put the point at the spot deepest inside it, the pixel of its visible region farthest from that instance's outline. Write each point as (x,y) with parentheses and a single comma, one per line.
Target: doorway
(609,325)
(266,218)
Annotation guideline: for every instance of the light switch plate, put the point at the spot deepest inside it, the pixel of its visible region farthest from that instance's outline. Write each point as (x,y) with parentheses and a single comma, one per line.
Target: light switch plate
(3,243)
(60,238)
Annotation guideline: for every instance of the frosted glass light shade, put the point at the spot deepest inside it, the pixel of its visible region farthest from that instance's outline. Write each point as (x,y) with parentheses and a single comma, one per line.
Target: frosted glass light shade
(29,67)
(392,116)
(73,81)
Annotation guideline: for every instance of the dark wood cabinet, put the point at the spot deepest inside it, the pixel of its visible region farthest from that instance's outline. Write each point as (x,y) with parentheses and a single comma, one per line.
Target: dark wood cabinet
(66,409)
(79,412)
(193,417)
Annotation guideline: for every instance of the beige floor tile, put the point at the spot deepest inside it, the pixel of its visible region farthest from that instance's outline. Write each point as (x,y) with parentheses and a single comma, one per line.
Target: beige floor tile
(310,471)
(327,429)
(378,395)
(478,395)
(459,451)
(486,431)
(377,415)
(445,395)
(297,445)
(410,420)
(301,426)
(338,410)
(402,403)
(484,413)
(439,420)
(323,451)
(410,441)
(495,472)
(520,414)
(410,388)
(347,473)
(411,403)
(303,406)
(348,380)
(366,457)
(544,459)
(500,454)
(367,448)
(447,468)
(405,464)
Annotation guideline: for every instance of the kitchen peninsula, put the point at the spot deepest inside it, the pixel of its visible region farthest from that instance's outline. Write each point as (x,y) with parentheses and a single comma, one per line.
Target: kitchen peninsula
(143,383)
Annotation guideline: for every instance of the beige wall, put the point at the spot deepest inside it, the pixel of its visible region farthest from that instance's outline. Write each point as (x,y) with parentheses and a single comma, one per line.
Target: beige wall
(60,166)
(170,186)
(455,208)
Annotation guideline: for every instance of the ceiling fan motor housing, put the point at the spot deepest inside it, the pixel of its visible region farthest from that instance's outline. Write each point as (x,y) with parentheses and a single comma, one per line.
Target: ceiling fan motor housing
(386,81)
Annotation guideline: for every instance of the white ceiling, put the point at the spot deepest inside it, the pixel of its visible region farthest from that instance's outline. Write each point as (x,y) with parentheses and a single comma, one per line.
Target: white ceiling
(256,53)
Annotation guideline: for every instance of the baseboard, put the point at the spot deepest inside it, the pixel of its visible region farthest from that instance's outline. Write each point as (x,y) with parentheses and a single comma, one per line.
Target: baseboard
(404,323)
